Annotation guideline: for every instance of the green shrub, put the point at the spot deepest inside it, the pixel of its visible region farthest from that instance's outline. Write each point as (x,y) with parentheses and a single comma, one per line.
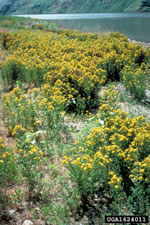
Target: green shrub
(113,161)
(7,165)
(135,81)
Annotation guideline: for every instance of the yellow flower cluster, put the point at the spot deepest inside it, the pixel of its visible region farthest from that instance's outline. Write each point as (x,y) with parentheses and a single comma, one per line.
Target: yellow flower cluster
(17,105)
(118,148)
(5,154)
(7,164)
(18,128)
(30,152)
(108,103)
(26,110)
(114,179)
(109,96)
(27,114)
(72,65)
(141,170)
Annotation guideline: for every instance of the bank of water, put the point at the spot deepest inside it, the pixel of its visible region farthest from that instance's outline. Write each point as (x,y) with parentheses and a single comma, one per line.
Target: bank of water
(134,25)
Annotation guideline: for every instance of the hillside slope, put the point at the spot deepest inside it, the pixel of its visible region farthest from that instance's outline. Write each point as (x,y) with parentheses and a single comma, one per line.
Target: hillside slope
(71,6)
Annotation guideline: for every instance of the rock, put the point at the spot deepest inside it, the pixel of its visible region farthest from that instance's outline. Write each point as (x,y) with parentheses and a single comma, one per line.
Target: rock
(11,212)
(27,222)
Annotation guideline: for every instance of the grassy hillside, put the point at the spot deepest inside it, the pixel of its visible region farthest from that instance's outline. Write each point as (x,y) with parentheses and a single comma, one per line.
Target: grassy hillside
(71,6)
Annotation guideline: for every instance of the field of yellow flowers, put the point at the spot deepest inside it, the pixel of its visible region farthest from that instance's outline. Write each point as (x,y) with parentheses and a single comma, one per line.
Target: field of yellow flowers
(54,77)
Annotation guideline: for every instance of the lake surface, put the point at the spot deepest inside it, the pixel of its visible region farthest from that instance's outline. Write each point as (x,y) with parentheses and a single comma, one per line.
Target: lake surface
(134,25)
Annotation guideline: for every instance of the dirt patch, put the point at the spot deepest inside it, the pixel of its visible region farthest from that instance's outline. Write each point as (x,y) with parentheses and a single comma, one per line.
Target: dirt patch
(4,132)
(3,30)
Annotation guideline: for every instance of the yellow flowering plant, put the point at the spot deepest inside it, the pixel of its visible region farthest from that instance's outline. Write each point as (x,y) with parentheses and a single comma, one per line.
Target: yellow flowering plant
(35,120)
(113,160)
(7,164)
(17,105)
(29,155)
(43,111)
(136,81)
(71,64)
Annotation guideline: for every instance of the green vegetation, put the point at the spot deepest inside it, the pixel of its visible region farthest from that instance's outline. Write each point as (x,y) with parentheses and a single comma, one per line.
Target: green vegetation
(110,160)
(71,6)
(69,153)
(21,23)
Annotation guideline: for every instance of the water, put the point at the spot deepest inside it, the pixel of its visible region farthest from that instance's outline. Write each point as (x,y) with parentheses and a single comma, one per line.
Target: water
(134,25)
